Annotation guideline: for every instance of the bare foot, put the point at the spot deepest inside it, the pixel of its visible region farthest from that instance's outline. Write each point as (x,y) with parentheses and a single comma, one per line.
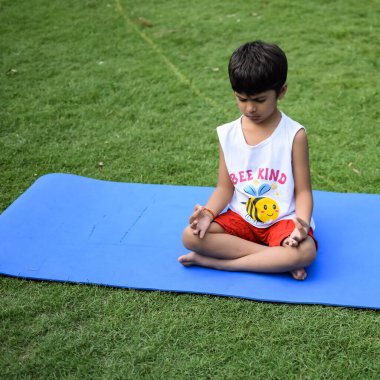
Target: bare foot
(299,274)
(188,260)
(194,258)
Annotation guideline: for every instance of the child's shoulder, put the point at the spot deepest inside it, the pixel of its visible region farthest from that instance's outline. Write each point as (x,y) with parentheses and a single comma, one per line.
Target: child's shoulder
(229,126)
(291,122)
(229,131)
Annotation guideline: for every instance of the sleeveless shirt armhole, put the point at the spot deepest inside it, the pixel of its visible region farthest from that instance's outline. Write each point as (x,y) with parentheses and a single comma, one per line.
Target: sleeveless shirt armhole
(293,132)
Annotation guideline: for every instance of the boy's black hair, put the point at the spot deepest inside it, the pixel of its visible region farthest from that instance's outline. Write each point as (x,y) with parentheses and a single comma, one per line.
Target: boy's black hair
(256,67)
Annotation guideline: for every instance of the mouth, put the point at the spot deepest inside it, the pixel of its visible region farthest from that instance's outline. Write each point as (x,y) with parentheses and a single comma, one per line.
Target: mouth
(270,214)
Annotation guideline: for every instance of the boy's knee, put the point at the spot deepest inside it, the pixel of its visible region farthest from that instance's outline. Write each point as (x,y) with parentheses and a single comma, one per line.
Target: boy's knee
(307,252)
(188,238)
(303,255)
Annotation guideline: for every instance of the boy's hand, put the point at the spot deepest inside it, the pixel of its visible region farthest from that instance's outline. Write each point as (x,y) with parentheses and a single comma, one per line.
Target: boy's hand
(197,209)
(200,221)
(299,233)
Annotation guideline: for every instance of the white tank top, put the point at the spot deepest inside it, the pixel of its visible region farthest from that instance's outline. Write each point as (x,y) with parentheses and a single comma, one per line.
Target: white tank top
(262,174)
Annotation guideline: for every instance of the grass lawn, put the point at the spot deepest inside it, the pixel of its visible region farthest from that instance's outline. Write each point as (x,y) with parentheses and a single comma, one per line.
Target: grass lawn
(132,91)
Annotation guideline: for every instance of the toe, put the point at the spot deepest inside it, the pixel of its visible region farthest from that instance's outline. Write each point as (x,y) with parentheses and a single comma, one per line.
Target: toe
(186,260)
(299,274)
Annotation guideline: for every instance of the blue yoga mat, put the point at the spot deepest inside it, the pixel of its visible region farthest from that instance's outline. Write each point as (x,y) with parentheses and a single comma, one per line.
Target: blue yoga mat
(70,228)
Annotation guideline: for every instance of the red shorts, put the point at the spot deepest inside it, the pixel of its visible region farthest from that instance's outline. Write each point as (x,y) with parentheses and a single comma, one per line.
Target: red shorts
(273,236)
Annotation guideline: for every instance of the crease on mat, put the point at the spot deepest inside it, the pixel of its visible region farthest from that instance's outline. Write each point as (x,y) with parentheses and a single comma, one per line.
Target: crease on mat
(94,228)
(134,223)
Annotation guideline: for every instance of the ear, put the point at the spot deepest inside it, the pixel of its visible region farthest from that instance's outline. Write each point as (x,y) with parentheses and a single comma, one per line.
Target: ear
(282,91)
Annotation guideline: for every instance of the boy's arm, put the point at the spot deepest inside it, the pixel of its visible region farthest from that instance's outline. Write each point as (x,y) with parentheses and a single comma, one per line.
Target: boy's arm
(302,185)
(221,196)
(224,190)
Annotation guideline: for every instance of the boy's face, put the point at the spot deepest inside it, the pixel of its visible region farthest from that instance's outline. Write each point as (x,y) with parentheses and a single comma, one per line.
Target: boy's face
(258,108)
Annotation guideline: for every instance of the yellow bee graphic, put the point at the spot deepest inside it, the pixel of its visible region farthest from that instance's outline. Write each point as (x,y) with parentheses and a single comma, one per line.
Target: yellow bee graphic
(259,208)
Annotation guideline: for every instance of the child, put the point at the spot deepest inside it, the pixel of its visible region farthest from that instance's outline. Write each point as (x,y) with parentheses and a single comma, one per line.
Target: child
(264,177)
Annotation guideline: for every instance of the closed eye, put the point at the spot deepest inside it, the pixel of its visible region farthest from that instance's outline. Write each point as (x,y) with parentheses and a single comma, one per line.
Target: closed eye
(257,100)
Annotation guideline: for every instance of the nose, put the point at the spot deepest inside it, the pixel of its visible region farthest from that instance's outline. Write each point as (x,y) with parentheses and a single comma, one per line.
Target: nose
(251,107)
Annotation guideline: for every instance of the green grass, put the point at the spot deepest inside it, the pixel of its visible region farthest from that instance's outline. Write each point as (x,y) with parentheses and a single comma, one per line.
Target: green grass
(84,82)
